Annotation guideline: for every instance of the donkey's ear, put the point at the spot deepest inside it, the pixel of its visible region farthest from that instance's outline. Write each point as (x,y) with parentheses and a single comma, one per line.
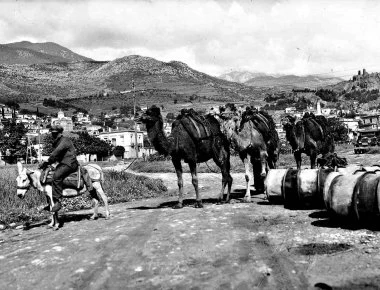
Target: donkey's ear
(19,167)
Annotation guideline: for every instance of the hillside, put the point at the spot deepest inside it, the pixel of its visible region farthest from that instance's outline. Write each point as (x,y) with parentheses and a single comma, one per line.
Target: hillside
(97,86)
(26,52)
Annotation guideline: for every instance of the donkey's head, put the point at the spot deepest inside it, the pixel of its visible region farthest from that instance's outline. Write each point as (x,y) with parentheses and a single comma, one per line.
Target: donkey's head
(24,180)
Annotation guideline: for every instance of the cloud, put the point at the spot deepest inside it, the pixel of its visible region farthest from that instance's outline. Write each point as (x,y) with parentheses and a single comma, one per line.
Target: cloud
(294,36)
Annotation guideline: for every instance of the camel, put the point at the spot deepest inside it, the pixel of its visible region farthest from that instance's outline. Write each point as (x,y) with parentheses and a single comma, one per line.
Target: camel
(308,135)
(27,179)
(192,142)
(250,144)
(266,126)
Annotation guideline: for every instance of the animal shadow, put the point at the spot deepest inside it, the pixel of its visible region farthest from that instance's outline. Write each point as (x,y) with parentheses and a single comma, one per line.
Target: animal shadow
(190,202)
(63,218)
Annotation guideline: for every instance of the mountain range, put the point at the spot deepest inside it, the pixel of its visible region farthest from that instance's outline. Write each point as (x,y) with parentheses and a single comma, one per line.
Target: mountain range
(258,79)
(26,52)
(35,71)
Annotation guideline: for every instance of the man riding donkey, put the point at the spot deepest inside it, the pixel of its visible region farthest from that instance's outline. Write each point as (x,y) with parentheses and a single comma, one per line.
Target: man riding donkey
(64,154)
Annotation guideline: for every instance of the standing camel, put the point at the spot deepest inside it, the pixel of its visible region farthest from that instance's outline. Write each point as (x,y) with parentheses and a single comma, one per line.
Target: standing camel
(308,135)
(266,126)
(250,145)
(191,141)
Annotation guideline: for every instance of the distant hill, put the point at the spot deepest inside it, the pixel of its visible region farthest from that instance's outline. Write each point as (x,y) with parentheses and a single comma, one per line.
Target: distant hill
(292,81)
(240,76)
(104,85)
(258,79)
(26,52)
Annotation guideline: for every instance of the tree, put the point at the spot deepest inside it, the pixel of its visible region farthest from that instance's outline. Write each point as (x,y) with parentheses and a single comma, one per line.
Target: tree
(12,140)
(84,144)
(118,151)
(337,130)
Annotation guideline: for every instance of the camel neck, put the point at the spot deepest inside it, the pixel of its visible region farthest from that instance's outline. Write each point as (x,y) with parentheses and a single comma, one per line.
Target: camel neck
(159,140)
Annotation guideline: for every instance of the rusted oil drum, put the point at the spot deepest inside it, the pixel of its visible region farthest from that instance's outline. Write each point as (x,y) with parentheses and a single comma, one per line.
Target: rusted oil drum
(290,189)
(273,185)
(365,198)
(349,169)
(296,188)
(326,187)
(323,173)
(307,187)
(339,196)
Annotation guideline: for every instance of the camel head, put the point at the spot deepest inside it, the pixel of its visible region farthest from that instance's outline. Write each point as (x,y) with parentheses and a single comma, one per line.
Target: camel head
(288,122)
(230,126)
(151,116)
(23,180)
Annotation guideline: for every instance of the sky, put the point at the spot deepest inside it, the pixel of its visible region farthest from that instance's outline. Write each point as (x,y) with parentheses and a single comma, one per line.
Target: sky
(329,38)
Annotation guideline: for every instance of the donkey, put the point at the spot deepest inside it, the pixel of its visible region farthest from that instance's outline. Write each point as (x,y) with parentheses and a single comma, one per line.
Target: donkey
(27,179)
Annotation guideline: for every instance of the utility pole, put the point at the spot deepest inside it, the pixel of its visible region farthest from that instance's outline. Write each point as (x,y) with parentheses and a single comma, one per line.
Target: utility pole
(134,118)
(39,142)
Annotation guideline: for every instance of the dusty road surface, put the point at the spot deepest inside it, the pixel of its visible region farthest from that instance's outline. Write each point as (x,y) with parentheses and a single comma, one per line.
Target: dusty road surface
(148,245)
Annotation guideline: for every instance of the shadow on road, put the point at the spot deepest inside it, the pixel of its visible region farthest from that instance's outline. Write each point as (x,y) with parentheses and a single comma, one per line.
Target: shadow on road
(236,196)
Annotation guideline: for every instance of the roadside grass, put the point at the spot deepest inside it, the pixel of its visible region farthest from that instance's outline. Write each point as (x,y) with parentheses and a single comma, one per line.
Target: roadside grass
(119,187)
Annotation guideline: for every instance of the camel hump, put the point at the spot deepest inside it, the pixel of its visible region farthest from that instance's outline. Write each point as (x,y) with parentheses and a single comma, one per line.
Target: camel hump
(262,121)
(313,128)
(198,126)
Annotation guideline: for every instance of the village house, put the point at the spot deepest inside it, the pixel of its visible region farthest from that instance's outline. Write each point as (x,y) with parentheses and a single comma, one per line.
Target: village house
(65,122)
(126,139)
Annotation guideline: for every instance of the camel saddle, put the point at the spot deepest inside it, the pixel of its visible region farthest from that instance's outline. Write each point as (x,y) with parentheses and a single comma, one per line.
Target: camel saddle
(75,180)
(195,124)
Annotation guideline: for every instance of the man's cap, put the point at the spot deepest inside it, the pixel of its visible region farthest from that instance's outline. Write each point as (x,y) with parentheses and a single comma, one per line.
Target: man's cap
(56,128)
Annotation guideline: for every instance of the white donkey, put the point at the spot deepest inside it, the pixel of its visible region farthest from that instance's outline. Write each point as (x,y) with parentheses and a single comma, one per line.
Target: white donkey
(27,179)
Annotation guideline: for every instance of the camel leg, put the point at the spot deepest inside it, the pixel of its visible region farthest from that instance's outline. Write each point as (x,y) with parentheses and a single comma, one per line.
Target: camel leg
(263,160)
(246,160)
(297,157)
(178,170)
(194,180)
(224,165)
(99,189)
(313,157)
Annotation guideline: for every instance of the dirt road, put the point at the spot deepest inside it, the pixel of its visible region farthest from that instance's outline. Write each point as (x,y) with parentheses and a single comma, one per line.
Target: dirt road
(148,245)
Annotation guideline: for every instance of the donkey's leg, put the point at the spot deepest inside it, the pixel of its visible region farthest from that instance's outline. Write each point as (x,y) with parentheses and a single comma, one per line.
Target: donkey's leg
(49,195)
(297,157)
(178,169)
(99,189)
(95,200)
(56,221)
(194,180)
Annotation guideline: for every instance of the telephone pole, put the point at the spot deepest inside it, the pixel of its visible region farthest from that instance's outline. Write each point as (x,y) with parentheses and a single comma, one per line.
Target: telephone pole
(134,118)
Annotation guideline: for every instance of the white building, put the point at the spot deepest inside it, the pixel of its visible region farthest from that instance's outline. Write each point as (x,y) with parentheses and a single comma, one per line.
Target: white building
(125,138)
(65,122)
